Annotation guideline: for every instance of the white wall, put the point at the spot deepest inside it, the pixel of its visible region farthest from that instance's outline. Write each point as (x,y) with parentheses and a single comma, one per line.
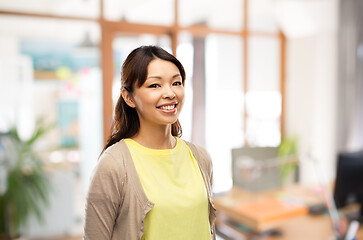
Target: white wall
(311,88)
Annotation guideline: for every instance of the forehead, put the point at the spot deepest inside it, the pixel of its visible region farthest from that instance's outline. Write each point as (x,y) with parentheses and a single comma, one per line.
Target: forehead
(159,67)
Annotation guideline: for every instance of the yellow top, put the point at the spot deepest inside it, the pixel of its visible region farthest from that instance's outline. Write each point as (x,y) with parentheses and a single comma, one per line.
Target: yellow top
(171,179)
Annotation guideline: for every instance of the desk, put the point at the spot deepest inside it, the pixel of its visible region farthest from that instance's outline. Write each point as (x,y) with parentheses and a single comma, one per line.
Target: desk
(303,227)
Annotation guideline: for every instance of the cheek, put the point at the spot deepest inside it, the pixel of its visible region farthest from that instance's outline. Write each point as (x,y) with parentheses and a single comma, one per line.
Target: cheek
(139,102)
(144,100)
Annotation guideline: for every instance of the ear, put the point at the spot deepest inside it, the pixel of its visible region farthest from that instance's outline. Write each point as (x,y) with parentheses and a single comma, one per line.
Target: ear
(127,96)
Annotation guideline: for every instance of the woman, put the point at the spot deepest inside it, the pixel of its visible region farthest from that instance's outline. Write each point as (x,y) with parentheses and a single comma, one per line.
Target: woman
(149,184)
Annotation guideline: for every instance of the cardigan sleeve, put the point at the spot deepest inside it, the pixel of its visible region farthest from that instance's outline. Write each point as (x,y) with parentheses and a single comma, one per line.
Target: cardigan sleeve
(103,199)
(209,166)
(209,171)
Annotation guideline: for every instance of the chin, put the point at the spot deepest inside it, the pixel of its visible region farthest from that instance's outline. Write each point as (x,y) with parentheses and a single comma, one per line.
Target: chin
(169,122)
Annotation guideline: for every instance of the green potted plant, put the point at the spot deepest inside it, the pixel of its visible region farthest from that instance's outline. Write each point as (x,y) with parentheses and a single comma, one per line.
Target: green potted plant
(288,151)
(26,188)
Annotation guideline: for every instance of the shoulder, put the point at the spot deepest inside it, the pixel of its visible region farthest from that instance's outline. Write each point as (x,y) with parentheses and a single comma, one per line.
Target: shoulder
(116,148)
(197,149)
(201,154)
(113,159)
(118,151)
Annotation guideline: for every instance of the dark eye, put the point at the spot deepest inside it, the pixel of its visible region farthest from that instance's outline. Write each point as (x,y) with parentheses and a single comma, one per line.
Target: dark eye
(154,85)
(178,83)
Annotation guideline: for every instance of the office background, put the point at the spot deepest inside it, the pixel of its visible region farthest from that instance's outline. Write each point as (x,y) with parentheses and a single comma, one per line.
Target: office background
(257,72)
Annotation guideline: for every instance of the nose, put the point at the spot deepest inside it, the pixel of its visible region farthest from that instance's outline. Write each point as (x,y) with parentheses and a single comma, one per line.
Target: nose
(169,93)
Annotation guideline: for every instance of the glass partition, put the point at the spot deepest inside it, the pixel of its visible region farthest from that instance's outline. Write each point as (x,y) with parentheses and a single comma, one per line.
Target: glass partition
(77,8)
(227,14)
(263,64)
(263,99)
(156,12)
(54,76)
(261,15)
(224,103)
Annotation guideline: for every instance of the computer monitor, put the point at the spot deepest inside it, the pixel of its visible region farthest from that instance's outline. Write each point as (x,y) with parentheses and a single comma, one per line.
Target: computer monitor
(349,182)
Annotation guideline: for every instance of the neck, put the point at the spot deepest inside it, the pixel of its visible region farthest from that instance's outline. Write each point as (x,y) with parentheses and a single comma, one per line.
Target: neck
(155,137)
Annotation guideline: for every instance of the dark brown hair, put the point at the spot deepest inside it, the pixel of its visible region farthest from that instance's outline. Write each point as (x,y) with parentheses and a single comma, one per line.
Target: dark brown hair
(133,73)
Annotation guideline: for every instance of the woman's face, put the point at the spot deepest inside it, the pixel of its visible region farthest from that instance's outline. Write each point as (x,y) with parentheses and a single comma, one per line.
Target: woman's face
(160,99)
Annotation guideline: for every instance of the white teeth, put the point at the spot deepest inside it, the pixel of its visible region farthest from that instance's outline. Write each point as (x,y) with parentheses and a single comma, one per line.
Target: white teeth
(169,107)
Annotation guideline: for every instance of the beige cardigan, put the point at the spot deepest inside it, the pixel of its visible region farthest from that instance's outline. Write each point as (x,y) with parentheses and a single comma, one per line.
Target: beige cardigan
(117,204)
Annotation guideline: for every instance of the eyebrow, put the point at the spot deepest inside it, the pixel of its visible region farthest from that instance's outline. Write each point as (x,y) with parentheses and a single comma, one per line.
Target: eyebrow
(158,77)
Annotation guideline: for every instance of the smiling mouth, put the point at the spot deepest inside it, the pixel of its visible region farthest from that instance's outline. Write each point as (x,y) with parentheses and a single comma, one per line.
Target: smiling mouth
(167,107)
